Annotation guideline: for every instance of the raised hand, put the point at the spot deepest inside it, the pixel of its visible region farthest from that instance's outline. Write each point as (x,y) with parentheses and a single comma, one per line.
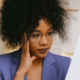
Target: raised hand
(26,60)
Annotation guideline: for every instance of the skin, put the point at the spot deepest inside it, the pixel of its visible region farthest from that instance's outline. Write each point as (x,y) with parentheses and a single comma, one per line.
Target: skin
(31,58)
(43,43)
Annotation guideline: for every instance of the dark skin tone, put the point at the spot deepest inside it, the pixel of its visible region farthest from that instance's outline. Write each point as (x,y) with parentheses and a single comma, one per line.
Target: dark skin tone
(30,64)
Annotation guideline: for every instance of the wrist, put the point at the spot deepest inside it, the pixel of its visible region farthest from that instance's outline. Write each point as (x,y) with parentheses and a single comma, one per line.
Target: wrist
(21,72)
(19,76)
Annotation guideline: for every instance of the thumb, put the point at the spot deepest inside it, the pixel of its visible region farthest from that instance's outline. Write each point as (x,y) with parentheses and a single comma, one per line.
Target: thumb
(33,58)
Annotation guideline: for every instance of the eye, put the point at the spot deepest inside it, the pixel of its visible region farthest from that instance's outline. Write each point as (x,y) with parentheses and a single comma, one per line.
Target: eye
(50,33)
(35,35)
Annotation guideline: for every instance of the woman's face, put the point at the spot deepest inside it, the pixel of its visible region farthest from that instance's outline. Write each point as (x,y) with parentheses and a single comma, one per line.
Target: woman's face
(40,39)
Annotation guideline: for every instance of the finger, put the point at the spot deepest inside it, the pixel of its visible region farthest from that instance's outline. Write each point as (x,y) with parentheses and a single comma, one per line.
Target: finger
(22,40)
(25,38)
(26,45)
(33,58)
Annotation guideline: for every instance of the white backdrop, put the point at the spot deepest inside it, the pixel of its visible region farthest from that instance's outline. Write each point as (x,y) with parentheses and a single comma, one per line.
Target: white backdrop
(74,69)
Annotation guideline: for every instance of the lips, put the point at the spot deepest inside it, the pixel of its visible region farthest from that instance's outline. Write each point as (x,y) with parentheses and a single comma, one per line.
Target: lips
(43,50)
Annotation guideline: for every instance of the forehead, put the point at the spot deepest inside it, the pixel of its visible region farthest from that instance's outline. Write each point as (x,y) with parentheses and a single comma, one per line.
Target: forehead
(43,25)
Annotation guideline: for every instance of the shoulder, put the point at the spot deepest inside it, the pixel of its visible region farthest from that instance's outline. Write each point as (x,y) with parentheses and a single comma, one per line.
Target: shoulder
(6,59)
(61,65)
(7,62)
(10,55)
(61,62)
(60,59)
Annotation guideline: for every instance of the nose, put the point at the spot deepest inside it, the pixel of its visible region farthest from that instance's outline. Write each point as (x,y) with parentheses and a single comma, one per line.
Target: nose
(43,41)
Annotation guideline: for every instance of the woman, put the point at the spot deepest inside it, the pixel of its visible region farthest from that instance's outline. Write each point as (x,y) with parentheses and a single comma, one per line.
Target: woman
(32,25)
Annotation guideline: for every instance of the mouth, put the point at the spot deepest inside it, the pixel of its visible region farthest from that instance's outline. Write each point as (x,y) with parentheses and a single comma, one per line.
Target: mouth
(43,50)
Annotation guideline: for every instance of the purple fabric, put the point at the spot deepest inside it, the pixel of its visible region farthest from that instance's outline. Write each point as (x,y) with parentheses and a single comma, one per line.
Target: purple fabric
(54,67)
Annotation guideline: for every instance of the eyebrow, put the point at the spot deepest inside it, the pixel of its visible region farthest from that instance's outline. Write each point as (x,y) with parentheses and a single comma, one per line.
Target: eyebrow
(40,31)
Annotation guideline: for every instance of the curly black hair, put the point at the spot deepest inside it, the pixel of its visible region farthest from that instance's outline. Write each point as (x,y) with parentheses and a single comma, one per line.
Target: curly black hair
(19,16)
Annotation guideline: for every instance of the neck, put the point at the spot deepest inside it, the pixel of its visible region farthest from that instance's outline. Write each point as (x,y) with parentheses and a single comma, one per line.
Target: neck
(37,62)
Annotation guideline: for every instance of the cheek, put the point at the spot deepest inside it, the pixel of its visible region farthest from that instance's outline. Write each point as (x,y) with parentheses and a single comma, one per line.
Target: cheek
(33,49)
(50,43)
(32,46)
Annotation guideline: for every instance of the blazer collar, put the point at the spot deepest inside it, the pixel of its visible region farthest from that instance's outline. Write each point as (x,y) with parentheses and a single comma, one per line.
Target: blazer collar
(49,71)
(49,58)
(15,62)
(17,55)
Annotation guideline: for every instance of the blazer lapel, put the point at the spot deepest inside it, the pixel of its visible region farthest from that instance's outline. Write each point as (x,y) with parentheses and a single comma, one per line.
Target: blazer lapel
(15,62)
(14,69)
(49,72)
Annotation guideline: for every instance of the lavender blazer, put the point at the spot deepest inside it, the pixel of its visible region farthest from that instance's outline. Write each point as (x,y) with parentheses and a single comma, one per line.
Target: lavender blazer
(54,67)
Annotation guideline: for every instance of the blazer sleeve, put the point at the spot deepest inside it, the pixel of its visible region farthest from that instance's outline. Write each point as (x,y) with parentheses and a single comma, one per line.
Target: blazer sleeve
(1,75)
